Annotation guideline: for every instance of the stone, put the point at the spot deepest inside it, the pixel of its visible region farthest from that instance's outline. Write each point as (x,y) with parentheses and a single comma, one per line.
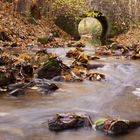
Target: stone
(6,77)
(45,87)
(94,66)
(17,92)
(115,126)
(63,121)
(50,69)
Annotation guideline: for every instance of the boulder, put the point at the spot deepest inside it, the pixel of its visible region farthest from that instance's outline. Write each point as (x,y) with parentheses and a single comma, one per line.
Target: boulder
(63,121)
(50,69)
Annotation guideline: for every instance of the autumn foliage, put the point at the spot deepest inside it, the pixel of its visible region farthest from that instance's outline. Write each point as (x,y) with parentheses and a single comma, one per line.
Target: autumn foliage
(69,7)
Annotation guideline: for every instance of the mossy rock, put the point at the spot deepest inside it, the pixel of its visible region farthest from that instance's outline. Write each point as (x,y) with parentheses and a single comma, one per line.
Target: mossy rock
(43,40)
(50,69)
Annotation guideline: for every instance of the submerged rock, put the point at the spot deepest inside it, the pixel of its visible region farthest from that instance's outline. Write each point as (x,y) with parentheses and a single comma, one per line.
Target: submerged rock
(12,87)
(19,89)
(63,121)
(17,92)
(44,86)
(94,66)
(41,85)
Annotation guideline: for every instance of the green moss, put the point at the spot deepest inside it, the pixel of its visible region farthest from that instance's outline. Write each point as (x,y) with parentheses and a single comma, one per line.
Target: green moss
(43,40)
(52,65)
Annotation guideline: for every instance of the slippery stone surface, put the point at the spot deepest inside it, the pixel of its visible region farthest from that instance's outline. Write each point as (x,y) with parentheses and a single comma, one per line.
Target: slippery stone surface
(50,69)
(63,121)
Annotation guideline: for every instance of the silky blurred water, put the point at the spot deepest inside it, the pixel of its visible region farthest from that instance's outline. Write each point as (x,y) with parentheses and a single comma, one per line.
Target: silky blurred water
(26,118)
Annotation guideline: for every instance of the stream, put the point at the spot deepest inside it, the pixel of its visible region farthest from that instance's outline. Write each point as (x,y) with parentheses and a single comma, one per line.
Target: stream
(117,96)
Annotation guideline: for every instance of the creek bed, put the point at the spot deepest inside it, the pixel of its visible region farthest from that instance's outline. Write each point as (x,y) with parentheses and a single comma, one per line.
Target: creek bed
(23,119)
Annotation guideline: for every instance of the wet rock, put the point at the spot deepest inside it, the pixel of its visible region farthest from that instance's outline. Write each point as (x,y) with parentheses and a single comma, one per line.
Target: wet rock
(17,92)
(116,126)
(58,79)
(44,86)
(52,87)
(19,89)
(94,66)
(111,126)
(41,85)
(6,77)
(63,121)
(50,69)
(47,88)
(12,87)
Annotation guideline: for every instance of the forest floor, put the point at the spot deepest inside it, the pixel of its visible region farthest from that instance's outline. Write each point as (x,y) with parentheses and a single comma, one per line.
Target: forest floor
(25,31)
(129,38)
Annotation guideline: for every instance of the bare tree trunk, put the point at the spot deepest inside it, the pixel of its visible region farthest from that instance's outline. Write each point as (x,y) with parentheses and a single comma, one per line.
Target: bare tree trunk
(22,6)
(28,7)
(35,9)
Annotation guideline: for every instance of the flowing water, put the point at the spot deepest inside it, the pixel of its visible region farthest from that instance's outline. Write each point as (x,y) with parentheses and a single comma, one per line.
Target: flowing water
(117,96)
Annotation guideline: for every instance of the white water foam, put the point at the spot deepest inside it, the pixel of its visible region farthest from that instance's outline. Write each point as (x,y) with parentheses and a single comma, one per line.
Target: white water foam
(137,92)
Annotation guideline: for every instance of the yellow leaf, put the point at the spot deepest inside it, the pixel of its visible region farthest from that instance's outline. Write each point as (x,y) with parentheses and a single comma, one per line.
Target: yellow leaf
(24,56)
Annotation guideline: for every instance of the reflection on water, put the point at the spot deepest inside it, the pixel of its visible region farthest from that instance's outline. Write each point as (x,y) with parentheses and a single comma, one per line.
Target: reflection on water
(24,118)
